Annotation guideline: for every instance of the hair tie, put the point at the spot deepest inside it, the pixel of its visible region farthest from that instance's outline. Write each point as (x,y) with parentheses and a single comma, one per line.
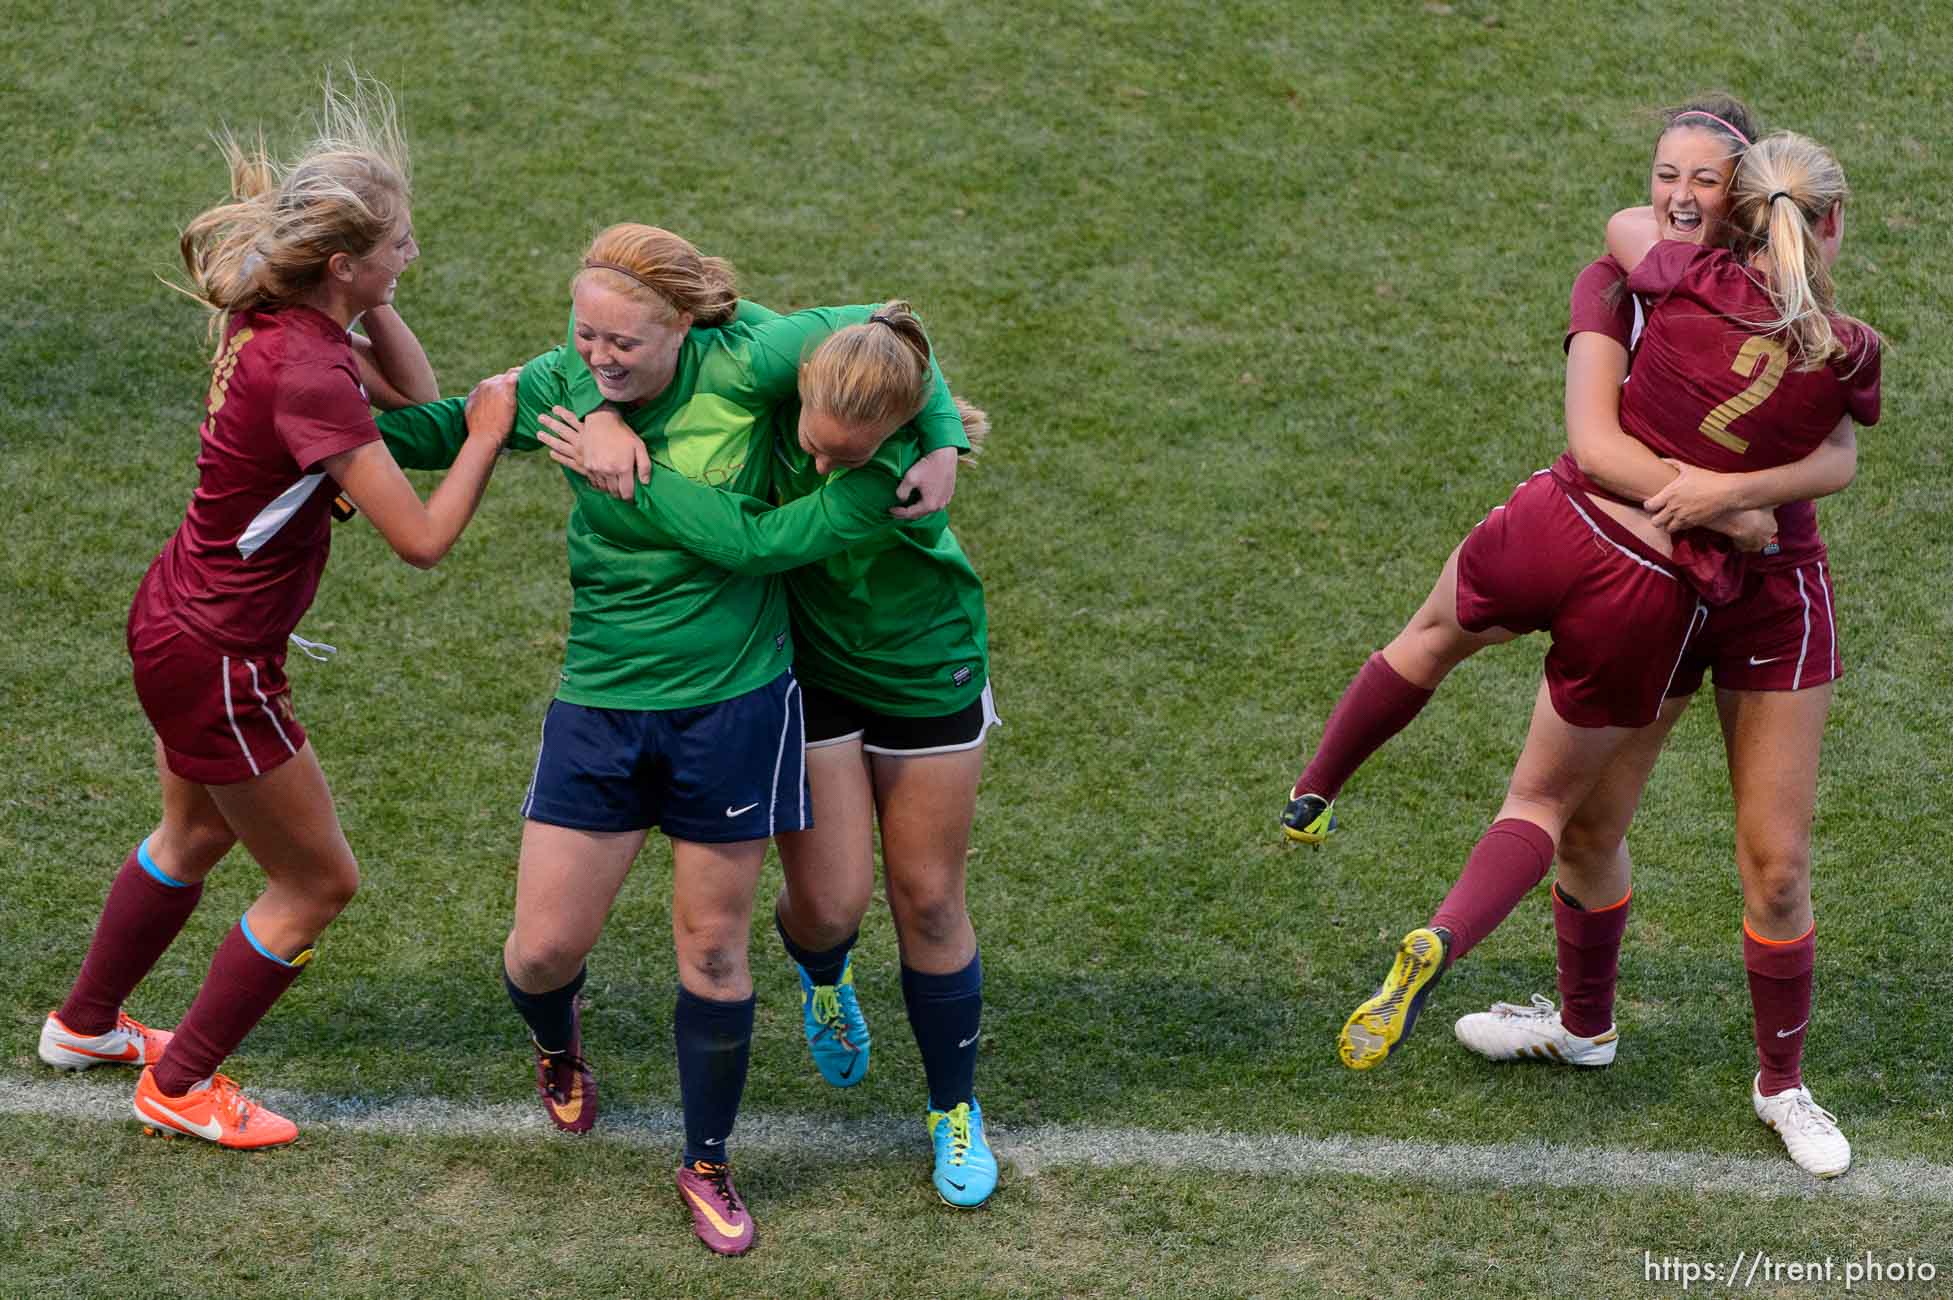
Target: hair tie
(1778,194)
(1703,112)
(627,273)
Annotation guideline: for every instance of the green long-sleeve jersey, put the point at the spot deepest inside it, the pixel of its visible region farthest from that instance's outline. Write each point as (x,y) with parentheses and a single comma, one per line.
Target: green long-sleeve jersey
(888,614)
(653,625)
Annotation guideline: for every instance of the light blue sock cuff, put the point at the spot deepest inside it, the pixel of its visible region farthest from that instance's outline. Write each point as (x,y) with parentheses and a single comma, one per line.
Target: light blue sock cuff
(244,924)
(156,872)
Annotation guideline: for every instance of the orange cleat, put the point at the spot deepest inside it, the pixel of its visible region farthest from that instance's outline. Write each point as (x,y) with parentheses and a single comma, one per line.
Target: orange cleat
(130,1042)
(216,1110)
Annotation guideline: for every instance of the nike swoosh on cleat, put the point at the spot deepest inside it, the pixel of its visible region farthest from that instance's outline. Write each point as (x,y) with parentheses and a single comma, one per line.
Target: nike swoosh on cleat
(724,1229)
(1758,663)
(129,1052)
(568,1112)
(1785,1033)
(208,1129)
(734,812)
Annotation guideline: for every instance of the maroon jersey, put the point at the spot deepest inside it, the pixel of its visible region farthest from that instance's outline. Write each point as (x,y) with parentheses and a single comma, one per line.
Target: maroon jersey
(1707,389)
(284,395)
(1601,304)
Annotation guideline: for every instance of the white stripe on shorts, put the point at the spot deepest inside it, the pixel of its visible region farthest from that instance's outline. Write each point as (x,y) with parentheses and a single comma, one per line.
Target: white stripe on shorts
(789,703)
(265,703)
(1696,621)
(529,799)
(990,719)
(1804,646)
(1830,617)
(230,716)
(1640,560)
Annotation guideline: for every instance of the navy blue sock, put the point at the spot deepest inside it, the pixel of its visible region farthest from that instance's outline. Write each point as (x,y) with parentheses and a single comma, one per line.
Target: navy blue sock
(821,967)
(714,1041)
(551,1015)
(945,1012)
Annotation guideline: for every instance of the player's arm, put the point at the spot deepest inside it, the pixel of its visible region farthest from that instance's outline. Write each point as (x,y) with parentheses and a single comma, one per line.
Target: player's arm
(1697,496)
(745,535)
(1618,462)
(1631,232)
(421,532)
(392,364)
(431,435)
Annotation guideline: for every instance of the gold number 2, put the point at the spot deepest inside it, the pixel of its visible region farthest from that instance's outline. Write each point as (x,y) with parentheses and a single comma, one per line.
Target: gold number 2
(1775,357)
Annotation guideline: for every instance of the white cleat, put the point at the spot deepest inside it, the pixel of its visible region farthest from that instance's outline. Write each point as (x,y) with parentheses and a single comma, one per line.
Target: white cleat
(1809,1131)
(130,1042)
(1532,1033)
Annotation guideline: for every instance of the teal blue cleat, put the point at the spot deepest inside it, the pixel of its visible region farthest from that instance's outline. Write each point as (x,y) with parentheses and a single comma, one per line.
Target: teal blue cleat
(837,1032)
(966,1170)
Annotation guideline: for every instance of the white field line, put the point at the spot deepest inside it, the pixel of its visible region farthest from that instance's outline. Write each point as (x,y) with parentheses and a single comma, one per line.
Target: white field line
(1054,1146)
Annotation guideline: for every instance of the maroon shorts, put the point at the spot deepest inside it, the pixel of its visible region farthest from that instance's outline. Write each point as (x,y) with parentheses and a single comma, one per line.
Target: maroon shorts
(1620,616)
(222,717)
(1780,634)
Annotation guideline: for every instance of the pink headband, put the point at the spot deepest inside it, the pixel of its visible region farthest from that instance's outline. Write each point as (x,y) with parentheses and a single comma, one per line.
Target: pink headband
(1698,112)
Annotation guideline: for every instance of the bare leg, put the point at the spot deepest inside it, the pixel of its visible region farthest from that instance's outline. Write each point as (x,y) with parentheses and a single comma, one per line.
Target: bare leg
(830,870)
(566,881)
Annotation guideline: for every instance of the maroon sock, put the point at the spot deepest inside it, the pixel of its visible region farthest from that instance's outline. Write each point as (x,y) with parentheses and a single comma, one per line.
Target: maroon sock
(1508,860)
(1375,706)
(141,918)
(1780,996)
(1590,959)
(241,986)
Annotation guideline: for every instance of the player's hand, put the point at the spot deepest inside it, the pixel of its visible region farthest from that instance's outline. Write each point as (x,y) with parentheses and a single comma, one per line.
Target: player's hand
(599,446)
(1693,499)
(1748,530)
(934,476)
(490,410)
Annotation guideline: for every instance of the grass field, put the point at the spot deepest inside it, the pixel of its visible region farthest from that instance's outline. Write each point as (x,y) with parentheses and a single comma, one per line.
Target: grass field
(1265,301)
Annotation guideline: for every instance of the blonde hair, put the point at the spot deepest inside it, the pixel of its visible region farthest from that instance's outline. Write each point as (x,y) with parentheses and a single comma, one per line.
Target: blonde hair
(271,240)
(661,271)
(1784,187)
(874,375)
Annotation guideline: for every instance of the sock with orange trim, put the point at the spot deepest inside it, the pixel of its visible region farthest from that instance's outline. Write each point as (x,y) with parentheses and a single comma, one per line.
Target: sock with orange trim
(1590,960)
(145,911)
(1780,997)
(243,982)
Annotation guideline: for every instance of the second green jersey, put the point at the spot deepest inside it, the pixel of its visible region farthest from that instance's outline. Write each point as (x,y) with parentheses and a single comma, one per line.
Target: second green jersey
(889,614)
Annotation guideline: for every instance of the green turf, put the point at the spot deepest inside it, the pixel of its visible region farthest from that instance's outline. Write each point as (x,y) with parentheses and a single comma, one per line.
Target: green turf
(1265,301)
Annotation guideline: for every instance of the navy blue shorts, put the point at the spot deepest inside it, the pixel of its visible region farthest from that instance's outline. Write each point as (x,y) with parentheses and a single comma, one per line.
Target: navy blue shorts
(717,774)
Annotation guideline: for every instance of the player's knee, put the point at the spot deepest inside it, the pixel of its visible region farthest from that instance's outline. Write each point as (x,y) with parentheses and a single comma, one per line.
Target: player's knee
(716,964)
(542,961)
(1779,887)
(331,889)
(821,918)
(930,917)
(1587,850)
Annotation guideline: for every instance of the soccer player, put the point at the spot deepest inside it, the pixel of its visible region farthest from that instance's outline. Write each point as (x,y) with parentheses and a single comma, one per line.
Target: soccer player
(298,254)
(1659,408)
(1773,651)
(892,654)
(677,707)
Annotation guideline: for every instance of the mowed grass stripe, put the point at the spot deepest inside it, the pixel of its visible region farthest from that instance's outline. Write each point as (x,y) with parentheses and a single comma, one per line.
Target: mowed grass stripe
(1048,1146)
